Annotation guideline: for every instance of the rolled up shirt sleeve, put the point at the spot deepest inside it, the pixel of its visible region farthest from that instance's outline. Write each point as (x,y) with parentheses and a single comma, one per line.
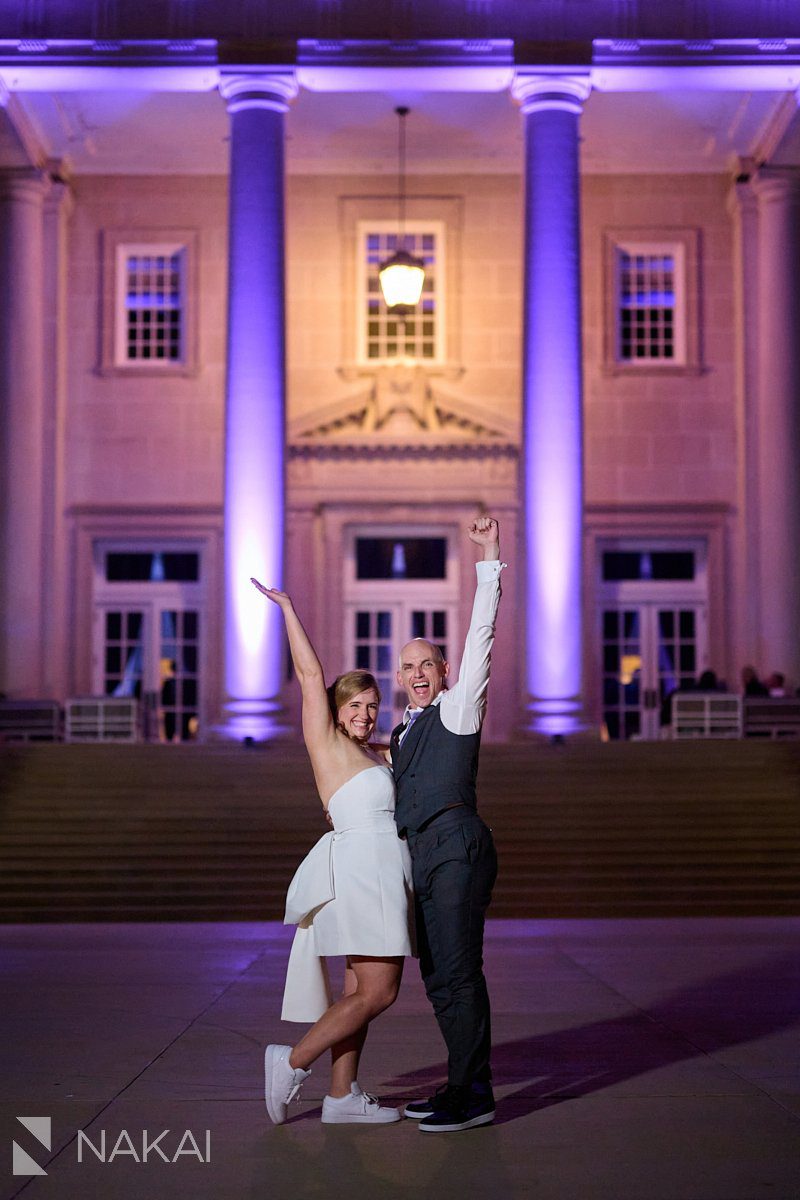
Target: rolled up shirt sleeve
(463,706)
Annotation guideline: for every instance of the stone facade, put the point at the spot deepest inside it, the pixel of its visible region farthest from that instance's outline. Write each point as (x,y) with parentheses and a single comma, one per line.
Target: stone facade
(133,457)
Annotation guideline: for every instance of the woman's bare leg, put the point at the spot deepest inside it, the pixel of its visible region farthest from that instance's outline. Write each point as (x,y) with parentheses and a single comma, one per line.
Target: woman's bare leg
(377,985)
(345,1055)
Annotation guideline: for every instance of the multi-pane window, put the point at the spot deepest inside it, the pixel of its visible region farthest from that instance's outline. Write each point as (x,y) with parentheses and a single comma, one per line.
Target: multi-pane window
(650,304)
(401,558)
(179,671)
(383,335)
(123,662)
(151,304)
(374,642)
(135,566)
(644,565)
(431,625)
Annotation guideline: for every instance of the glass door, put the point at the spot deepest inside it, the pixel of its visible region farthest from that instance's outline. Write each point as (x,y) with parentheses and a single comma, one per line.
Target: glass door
(148,635)
(623,707)
(122,658)
(653,597)
(371,638)
(178,664)
(151,653)
(679,634)
(376,632)
(649,650)
(401,582)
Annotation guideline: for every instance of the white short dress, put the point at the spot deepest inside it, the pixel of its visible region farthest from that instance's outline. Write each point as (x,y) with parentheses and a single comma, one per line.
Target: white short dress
(351,894)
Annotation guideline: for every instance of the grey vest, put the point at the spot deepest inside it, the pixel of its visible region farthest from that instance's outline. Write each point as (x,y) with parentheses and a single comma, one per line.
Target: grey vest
(433,769)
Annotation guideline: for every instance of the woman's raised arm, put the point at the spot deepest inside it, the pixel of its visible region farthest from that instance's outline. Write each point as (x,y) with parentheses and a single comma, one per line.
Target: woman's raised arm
(318,725)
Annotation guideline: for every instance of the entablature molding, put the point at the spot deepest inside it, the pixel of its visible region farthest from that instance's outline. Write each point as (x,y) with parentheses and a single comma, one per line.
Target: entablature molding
(335,21)
(421,451)
(447,65)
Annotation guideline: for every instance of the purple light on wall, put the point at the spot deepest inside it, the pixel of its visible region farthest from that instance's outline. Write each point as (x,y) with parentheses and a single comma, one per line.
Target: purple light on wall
(255,408)
(553,451)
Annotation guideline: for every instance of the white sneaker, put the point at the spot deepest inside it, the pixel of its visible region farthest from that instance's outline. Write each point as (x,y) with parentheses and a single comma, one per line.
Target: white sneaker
(359,1108)
(282,1083)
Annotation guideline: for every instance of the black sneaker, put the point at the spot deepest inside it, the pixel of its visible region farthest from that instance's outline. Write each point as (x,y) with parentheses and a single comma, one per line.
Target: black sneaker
(419,1109)
(465,1108)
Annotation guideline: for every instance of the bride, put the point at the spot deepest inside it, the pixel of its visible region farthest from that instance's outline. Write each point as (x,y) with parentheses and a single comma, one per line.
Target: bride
(351,895)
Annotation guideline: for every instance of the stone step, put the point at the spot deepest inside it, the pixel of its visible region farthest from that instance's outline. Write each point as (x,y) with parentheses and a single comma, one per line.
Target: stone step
(215,833)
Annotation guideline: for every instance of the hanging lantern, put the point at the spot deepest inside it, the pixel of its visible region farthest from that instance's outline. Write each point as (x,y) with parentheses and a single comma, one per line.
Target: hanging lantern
(401,276)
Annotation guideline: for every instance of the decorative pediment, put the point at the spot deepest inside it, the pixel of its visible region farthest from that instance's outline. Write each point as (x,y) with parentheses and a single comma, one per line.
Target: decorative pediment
(400,408)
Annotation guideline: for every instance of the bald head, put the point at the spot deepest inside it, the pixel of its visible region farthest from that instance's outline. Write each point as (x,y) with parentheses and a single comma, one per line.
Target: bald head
(426,648)
(422,671)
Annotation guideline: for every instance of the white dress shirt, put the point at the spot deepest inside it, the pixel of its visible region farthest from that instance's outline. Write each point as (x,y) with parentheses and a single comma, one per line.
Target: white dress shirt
(463,706)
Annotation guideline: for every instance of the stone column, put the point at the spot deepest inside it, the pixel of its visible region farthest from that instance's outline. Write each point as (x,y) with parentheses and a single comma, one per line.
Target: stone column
(552,516)
(743,209)
(22,577)
(56,615)
(255,402)
(778,194)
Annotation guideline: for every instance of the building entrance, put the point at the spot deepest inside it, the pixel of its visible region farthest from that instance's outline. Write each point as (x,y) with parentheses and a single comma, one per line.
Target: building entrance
(653,631)
(148,631)
(400,584)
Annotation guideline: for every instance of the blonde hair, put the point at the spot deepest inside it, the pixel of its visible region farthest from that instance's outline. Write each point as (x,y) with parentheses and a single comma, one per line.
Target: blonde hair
(344,687)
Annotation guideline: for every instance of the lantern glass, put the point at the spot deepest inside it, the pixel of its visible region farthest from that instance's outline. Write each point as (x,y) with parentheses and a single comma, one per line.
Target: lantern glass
(401,279)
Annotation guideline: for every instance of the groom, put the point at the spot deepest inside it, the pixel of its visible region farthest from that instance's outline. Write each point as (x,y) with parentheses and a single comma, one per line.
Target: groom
(435,760)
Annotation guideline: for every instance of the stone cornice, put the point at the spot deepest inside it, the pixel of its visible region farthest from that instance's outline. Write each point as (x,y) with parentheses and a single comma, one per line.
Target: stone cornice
(383,451)
(488,64)
(79,52)
(113,512)
(334,20)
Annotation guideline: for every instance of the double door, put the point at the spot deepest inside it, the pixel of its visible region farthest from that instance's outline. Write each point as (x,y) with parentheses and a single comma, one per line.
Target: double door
(649,649)
(150,650)
(377,630)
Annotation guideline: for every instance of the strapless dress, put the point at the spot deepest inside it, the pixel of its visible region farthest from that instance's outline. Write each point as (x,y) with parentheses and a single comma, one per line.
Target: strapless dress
(351,894)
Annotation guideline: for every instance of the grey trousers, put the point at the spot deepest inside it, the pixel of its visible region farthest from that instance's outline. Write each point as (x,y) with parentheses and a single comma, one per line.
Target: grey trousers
(454,869)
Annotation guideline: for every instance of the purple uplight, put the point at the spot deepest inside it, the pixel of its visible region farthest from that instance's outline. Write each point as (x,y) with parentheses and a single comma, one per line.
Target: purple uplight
(553,465)
(255,411)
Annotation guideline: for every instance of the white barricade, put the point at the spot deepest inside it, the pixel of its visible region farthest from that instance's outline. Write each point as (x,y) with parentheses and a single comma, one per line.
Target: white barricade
(706,715)
(101,719)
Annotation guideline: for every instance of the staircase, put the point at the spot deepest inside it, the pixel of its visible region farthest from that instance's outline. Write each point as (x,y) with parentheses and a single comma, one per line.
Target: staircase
(130,833)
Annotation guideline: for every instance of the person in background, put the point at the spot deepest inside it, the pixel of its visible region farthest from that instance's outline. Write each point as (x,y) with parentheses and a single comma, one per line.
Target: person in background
(751,684)
(776,685)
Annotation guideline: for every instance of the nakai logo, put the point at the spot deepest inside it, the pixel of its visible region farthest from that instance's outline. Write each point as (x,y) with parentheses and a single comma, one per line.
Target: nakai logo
(125,1147)
(22,1163)
(145,1148)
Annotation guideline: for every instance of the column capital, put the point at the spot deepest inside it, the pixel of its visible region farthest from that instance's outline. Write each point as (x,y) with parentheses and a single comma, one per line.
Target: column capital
(25,184)
(60,198)
(269,90)
(741,199)
(538,93)
(777,185)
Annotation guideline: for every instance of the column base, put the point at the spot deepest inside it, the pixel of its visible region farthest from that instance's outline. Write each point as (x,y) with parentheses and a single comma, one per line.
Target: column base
(555,719)
(253,721)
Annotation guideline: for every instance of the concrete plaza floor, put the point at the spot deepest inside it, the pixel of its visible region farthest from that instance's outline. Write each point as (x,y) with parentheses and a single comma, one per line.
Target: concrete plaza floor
(633,1060)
